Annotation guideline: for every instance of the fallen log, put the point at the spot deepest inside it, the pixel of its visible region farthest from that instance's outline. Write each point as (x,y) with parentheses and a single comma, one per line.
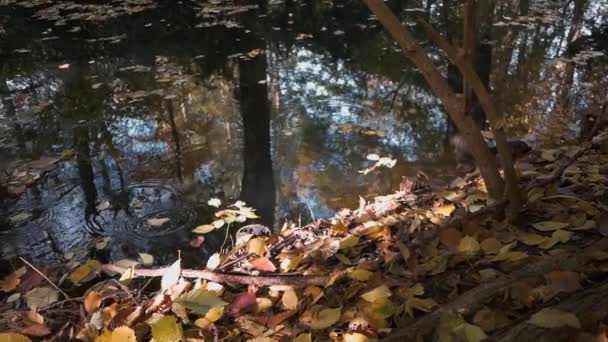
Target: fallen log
(474,299)
(243,279)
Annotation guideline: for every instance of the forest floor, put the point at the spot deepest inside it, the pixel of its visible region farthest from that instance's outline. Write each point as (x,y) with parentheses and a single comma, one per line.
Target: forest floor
(420,264)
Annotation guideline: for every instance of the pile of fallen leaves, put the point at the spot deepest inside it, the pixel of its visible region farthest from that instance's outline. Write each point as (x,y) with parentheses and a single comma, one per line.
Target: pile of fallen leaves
(418,263)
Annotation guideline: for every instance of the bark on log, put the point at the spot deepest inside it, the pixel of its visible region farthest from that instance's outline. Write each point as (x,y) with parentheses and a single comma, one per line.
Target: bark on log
(292,280)
(588,305)
(474,299)
(453,104)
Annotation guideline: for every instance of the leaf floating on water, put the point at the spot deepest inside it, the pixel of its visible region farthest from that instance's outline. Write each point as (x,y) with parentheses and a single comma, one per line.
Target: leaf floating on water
(548,226)
(64,66)
(167,329)
(41,297)
(19,217)
(554,318)
(171,275)
(103,205)
(373,157)
(203,229)
(214,202)
(156,222)
(102,243)
(146,259)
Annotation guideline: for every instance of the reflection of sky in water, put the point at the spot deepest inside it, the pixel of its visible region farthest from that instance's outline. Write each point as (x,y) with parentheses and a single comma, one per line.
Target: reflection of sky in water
(136,136)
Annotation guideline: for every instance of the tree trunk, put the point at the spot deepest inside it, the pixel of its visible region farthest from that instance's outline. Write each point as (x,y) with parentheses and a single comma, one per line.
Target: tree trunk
(413,51)
(495,118)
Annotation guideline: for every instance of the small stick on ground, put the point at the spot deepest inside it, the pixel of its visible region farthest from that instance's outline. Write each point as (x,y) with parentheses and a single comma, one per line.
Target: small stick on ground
(45,278)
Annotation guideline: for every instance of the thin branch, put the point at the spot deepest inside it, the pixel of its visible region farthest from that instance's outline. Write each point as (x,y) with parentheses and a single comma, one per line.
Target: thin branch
(296,281)
(45,278)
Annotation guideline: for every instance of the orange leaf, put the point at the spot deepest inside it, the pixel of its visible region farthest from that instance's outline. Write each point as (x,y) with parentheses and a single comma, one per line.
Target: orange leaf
(450,238)
(92,301)
(263,264)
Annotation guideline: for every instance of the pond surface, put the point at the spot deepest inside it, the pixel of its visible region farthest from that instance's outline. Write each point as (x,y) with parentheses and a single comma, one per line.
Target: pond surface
(150,109)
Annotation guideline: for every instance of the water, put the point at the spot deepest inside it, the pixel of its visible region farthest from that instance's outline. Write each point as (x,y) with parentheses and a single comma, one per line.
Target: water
(166,105)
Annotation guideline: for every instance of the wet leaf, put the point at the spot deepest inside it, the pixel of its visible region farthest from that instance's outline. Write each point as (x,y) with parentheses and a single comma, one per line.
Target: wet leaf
(171,275)
(554,318)
(92,301)
(381,291)
(548,226)
(214,202)
(103,206)
(290,299)
(203,229)
(373,157)
(167,329)
(41,297)
(263,264)
(13,337)
(156,222)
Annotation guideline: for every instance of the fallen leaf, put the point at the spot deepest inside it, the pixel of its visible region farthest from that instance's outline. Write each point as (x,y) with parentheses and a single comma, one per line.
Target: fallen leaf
(41,297)
(85,272)
(290,299)
(13,337)
(548,226)
(325,318)
(64,66)
(490,246)
(349,242)
(470,333)
(103,205)
(102,243)
(257,246)
(424,305)
(242,303)
(167,329)
(214,202)
(35,330)
(92,301)
(360,274)
(554,318)
(215,313)
(214,261)
(532,239)
(485,319)
(10,282)
(602,225)
(381,291)
(450,237)
(304,337)
(468,246)
(203,229)
(171,275)
(156,222)
(445,210)
(263,264)
(34,317)
(146,259)
(564,281)
(217,224)
(355,337)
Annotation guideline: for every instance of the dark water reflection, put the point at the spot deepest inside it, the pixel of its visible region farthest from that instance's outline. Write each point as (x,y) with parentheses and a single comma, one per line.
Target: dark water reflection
(172,106)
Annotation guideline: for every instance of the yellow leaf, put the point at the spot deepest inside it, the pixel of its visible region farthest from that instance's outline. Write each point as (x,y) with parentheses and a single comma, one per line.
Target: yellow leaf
(453,196)
(118,335)
(202,323)
(360,274)
(468,246)
(215,313)
(146,259)
(13,337)
(554,318)
(200,300)
(343,259)
(257,246)
(92,301)
(326,318)
(263,304)
(312,291)
(167,329)
(85,272)
(547,226)
(203,229)
(304,337)
(290,264)
(533,239)
(470,333)
(349,242)
(445,210)
(381,291)
(290,299)
(490,246)
(355,337)
(171,275)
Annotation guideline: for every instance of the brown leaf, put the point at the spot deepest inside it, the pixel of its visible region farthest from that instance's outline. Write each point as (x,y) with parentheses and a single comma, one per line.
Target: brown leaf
(31,279)
(263,264)
(274,320)
(92,301)
(10,282)
(450,238)
(244,302)
(564,281)
(37,330)
(602,225)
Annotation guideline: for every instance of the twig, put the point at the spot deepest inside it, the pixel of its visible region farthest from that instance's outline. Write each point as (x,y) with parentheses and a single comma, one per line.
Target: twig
(296,281)
(45,278)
